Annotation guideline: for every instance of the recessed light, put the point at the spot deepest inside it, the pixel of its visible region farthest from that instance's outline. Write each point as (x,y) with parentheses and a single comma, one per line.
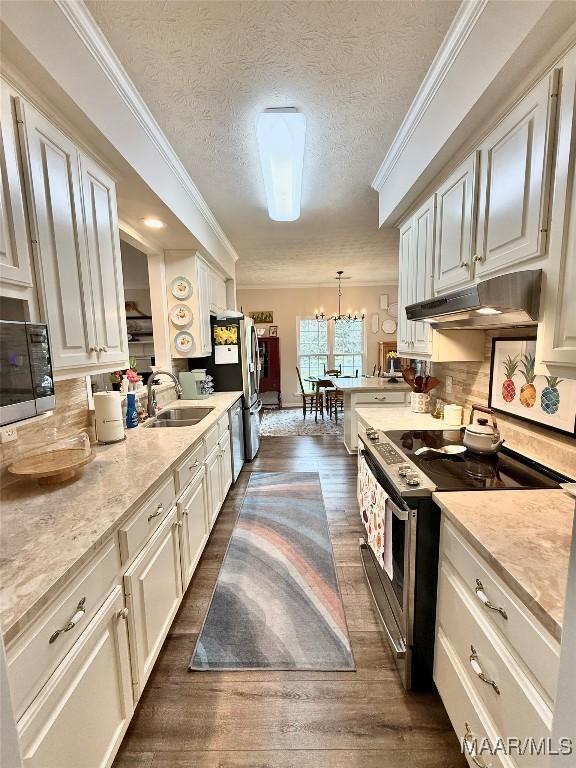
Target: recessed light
(154,223)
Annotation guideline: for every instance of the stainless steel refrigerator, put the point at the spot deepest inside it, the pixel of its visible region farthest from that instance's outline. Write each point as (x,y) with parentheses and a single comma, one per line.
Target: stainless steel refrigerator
(235,365)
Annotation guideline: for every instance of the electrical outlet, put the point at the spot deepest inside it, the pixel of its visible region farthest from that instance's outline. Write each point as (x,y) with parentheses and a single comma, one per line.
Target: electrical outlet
(8,434)
(448,385)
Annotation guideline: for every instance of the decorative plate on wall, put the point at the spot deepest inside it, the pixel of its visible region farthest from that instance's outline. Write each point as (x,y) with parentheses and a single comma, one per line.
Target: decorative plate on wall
(181,315)
(375,322)
(181,288)
(393,310)
(389,326)
(183,342)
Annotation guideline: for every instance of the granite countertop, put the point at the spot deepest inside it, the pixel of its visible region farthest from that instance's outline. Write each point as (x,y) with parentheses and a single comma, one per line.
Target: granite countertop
(48,533)
(401,417)
(365,384)
(526,537)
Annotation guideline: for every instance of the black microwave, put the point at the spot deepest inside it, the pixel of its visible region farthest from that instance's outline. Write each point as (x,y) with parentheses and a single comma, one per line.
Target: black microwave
(26,380)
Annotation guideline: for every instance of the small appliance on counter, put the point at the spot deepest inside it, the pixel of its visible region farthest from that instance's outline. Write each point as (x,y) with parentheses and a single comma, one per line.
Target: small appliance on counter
(401,469)
(192,384)
(26,381)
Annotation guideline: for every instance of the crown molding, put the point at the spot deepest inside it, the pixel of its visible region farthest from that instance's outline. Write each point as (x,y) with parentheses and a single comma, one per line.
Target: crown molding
(82,21)
(459,31)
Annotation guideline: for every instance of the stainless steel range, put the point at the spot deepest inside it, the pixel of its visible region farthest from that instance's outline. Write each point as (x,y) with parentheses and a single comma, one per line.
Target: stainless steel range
(397,473)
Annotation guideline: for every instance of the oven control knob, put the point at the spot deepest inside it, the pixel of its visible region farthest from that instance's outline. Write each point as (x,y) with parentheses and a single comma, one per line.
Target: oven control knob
(403,470)
(412,480)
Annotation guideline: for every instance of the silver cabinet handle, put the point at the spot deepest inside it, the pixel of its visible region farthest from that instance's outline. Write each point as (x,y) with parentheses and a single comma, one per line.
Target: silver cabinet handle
(193,466)
(93,349)
(72,621)
(483,597)
(475,664)
(464,264)
(103,349)
(123,614)
(381,397)
(159,511)
(478,258)
(469,747)
(179,523)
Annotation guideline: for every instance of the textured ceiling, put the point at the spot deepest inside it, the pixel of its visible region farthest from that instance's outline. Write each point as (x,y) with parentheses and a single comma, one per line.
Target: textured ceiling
(206,69)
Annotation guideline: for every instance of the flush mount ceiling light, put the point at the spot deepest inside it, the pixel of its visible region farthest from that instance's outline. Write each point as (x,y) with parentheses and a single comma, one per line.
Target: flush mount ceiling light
(153,223)
(280,134)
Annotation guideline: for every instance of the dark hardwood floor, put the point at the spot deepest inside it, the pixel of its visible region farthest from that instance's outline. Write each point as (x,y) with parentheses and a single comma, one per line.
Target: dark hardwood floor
(361,719)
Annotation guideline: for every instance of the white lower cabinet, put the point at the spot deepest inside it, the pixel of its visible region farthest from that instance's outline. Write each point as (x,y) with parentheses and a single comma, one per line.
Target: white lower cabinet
(153,588)
(81,714)
(214,485)
(193,512)
(225,464)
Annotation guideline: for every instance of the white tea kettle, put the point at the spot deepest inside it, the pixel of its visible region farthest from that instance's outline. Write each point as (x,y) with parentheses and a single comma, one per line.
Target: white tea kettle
(480,437)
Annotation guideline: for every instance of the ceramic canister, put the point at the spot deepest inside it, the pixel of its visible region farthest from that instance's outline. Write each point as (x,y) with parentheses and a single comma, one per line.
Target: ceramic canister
(420,402)
(108,413)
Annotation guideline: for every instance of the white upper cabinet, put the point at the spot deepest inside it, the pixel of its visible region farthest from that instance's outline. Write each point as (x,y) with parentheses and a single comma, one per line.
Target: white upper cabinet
(105,263)
(15,255)
(64,274)
(455,208)
(73,214)
(514,183)
(421,271)
(556,343)
(404,339)
(217,292)
(204,282)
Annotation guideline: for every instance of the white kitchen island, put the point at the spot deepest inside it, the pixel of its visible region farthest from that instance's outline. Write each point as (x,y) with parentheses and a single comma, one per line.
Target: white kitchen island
(367,390)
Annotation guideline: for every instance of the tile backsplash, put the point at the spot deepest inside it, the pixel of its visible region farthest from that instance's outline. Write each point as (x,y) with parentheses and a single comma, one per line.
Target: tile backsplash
(470,383)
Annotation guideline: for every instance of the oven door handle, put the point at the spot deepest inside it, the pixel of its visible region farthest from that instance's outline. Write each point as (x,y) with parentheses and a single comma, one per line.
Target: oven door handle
(401,514)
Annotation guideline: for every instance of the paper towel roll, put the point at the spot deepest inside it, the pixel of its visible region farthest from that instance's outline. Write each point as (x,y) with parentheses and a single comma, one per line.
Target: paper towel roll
(108,412)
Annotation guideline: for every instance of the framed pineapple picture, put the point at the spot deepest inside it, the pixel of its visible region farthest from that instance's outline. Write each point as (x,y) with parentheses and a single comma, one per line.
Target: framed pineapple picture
(516,390)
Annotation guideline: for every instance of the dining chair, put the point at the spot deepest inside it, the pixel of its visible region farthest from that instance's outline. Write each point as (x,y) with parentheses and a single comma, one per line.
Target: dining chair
(312,399)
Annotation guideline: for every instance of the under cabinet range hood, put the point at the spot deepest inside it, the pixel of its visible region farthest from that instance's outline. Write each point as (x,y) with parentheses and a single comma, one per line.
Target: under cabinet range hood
(500,302)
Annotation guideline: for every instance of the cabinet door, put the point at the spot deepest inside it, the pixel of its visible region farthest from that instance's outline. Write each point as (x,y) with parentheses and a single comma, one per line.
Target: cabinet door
(405,288)
(15,255)
(514,184)
(556,344)
(81,714)
(421,272)
(225,465)
(153,587)
(65,289)
(203,276)
(101,214)
(217,292)
(455,213)
(194,531)
(214,486)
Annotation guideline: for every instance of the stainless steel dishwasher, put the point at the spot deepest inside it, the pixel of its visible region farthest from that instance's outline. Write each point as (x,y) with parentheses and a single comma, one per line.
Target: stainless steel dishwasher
(237,434)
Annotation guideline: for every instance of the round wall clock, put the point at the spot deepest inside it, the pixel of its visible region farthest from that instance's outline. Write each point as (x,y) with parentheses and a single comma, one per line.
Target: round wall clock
(393,310)
(183,342)
(389,326)
(181,287)
(181,315)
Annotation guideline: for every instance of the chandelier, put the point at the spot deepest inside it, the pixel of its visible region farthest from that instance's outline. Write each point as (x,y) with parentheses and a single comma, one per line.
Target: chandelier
(339,317)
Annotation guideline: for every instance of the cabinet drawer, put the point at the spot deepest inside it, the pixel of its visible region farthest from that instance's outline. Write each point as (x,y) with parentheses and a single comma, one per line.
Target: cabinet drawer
(82,713)
(211,438)
(380,398)
(146,520)
(223,424)
(530,641)
(464,709)
(191,465)
(32,657)
(515,707)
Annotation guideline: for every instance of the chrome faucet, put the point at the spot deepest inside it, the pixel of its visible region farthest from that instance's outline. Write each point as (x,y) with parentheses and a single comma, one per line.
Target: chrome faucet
(152,403)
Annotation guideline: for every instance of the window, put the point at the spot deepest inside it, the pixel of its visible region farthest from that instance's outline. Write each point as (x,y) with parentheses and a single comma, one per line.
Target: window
(323,345)
(312,347)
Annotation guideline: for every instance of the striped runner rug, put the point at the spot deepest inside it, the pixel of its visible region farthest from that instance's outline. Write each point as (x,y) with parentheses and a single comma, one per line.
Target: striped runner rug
(276,604)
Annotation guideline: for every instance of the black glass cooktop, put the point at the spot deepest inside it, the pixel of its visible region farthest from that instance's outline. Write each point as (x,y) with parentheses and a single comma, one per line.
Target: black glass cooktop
(468,471)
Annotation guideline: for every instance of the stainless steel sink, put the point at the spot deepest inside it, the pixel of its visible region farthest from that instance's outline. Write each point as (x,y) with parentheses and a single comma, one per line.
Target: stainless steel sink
(184,414)
(178,417)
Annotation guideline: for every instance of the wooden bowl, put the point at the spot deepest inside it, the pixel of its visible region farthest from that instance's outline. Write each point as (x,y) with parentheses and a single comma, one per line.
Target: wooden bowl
(52,467)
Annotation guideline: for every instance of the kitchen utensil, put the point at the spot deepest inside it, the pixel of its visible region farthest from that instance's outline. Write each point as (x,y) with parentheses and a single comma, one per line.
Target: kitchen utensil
(449,450)
(418,384)
(482,437)
(430,383)
(408,374)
